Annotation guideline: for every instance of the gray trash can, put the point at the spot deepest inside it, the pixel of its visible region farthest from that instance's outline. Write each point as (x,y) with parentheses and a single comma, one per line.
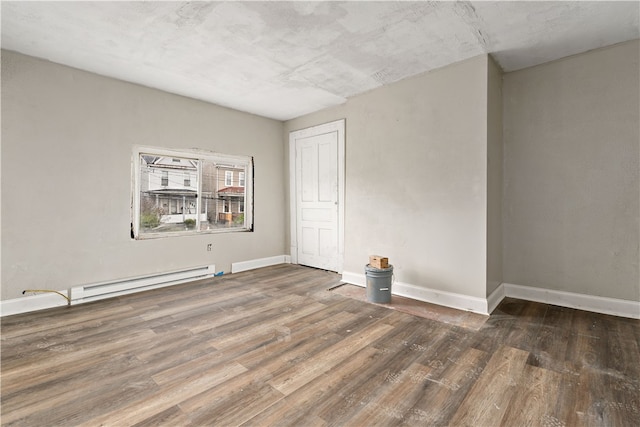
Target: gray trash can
(378,283)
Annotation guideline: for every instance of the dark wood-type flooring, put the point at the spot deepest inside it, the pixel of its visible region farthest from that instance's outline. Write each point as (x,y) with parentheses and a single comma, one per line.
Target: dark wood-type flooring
(274,347)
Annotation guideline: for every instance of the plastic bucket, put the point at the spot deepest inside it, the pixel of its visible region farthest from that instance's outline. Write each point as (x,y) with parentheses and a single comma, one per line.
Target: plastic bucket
(378,284)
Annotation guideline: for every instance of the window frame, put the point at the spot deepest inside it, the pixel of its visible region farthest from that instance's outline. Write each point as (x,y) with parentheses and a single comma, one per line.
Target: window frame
(198,155)
(228,178)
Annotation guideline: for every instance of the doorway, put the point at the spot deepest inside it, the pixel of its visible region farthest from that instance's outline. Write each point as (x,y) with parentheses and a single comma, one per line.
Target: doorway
(316,168)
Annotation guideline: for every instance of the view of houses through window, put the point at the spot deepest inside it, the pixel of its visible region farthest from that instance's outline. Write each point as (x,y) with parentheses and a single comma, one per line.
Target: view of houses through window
(180,194)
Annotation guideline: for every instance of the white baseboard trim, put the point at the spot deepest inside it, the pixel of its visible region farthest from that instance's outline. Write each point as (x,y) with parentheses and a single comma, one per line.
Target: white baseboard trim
(31,303)
(447,299)
(97,291)
(354,278)
(252,264)
(604,305)
(433,296)
(79,294)
(495,298)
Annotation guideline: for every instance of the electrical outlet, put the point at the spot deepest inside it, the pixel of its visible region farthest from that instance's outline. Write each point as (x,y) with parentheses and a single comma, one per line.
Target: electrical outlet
(209,247)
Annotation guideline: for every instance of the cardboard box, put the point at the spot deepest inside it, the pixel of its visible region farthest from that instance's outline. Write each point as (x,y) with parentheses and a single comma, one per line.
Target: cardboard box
(377,261)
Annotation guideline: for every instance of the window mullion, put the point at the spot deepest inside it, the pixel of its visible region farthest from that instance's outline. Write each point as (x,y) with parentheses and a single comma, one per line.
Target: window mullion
(199,195)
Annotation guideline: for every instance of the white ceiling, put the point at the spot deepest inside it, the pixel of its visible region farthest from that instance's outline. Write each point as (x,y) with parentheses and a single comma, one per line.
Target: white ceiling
(286,59)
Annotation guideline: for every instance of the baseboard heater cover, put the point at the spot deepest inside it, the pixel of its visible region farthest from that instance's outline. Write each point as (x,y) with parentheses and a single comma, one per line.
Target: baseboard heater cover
(96,291)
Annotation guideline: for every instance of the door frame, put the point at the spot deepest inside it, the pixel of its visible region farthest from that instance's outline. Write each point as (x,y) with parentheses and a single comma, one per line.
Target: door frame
(335,126)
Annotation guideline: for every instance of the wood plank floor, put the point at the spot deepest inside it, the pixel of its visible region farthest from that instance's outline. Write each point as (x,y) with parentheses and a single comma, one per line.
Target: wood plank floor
(274,347)
(465,319)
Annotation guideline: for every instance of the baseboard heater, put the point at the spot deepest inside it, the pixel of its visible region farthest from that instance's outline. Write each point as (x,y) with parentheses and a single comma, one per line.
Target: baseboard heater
(96,291)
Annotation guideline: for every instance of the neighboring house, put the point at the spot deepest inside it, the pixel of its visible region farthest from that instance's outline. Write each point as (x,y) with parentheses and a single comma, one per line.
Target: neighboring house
(230,191)
(168,189)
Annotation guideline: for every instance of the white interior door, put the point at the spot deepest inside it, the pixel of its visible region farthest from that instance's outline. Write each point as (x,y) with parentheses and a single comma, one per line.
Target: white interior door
(317,193)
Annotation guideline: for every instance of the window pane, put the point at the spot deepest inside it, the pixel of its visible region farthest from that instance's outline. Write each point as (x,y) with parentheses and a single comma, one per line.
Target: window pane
(221,199)
(208,198)
(173,187)
(167,198)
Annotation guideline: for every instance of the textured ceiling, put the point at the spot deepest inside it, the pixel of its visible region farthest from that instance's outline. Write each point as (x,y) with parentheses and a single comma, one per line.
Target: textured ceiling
(286,59)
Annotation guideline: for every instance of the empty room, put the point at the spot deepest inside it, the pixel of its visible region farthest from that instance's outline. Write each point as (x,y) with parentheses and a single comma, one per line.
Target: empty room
(331,213)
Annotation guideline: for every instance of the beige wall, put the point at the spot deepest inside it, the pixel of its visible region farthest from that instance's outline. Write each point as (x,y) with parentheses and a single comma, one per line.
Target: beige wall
(416,177)
(67,138)
(423,170)
(571,188)
(494,176)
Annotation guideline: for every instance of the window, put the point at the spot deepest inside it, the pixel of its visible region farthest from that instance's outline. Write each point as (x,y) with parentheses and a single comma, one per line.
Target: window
(241,179)
(185,192)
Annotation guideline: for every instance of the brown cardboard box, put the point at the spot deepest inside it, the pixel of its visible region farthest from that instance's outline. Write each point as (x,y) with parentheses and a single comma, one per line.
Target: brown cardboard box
(377,261)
